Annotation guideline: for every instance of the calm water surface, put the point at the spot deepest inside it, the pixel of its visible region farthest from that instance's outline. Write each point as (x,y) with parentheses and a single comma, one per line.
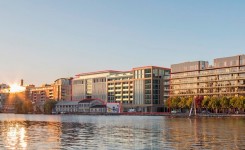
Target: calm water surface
(44,132)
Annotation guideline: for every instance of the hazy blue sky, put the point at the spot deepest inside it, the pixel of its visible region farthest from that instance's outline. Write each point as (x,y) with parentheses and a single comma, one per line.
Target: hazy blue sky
(41,41)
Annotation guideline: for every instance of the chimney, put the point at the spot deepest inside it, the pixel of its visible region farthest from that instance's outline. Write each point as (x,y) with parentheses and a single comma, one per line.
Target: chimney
(22,82)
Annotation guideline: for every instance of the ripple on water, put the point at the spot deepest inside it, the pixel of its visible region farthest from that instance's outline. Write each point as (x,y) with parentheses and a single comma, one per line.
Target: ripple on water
(119,132)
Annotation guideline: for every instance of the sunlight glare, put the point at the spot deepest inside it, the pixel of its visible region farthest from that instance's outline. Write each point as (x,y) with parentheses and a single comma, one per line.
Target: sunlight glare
(16,88)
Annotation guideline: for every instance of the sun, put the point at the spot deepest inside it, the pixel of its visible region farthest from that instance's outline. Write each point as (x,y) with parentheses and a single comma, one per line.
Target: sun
(16,88)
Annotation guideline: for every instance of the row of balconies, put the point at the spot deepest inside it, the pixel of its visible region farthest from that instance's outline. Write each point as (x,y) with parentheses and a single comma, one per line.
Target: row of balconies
(203,81)
(205,93)
(208,87)
(207,74)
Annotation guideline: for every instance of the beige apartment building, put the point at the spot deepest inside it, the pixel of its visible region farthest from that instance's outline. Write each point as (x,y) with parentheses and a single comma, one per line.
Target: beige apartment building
(225,78)
(120,87)
(63,89)
(41,94)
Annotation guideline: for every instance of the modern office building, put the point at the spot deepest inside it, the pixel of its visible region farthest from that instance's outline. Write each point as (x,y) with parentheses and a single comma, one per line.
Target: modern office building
(225,78)
(151,88)
(143,88)
(91,85)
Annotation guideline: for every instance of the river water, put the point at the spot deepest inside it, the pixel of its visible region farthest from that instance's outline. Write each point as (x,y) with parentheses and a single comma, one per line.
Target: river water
(44,132)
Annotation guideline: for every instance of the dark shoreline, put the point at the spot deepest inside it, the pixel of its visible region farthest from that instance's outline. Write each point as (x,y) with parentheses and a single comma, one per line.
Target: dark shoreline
(178,115)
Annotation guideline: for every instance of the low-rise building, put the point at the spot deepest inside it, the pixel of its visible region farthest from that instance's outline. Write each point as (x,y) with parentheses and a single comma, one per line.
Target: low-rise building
(66,107)
(98,109)
(86,104)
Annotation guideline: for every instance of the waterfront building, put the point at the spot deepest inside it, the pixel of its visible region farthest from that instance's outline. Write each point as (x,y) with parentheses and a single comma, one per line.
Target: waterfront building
(66,107)
(98,109)
(91,85)
(83,106)
(86,105)
(120,87)
(4,92)
(41,94)
(143,88)
(63,89)
(225,78)
(151,88)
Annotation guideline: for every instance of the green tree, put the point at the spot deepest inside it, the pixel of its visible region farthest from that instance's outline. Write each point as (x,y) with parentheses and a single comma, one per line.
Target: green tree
(224,103)
(239,103)
(183,103)
(189,102)
(205,102)
(48,106)
(175,102)
(233,103)
(214,104)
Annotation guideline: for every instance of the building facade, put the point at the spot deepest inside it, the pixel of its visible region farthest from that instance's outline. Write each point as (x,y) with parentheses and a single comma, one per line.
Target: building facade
(91,85)
(41,94)
(143,88)
(4,92)
(225,78)
(120,88)
(151,88)
(63,89)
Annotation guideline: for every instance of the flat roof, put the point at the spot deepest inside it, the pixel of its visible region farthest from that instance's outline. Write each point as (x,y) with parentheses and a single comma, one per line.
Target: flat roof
(97,72)
(144,67)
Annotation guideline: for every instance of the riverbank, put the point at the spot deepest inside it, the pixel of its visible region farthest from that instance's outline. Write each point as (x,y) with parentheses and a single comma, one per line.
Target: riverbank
(207,115)
(177,115)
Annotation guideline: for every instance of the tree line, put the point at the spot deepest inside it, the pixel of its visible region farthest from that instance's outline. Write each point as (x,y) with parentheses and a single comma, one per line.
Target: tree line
(221,104)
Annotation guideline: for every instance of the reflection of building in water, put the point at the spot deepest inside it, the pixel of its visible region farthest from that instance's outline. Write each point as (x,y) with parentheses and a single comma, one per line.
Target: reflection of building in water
(203,133)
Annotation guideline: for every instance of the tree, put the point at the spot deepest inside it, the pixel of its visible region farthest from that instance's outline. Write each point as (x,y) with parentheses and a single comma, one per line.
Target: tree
(233,103)
(183,103)
(224,103)
(205,102)
(189,102)
(239,103)
(198,101)
(175,102)
(214,104)
(23,106)
(49,105)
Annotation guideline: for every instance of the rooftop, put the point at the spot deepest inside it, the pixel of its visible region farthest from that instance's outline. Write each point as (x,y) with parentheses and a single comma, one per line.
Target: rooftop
(98,72)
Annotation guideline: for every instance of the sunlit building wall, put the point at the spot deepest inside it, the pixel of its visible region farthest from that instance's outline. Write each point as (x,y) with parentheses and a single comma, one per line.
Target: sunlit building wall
(63,89)
(91,85)
(42,94)
(225,78)
(151,87)
(120,87)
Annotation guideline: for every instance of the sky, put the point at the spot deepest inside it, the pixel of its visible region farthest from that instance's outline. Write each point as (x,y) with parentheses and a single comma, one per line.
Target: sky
(41,41)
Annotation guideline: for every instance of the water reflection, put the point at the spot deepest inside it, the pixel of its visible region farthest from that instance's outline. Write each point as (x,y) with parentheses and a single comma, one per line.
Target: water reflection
(119,132)
(205,133)
(14,135)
